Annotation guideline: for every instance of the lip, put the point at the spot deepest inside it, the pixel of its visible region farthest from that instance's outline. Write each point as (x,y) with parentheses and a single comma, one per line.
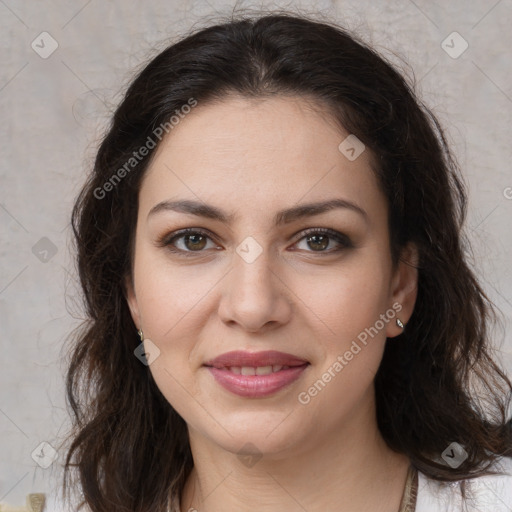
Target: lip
(256,386)
(265,358)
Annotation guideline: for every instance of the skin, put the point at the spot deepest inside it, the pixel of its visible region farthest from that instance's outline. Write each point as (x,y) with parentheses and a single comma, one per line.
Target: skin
(252,158)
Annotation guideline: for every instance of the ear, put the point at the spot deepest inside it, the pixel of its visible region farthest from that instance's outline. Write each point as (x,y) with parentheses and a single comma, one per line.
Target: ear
(131,299)
(404,288)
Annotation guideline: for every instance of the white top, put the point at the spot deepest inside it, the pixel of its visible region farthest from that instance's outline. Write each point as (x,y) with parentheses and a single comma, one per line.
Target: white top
(488,494)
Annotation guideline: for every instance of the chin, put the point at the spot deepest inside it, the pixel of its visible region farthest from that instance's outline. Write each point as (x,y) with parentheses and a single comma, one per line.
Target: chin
(269,433)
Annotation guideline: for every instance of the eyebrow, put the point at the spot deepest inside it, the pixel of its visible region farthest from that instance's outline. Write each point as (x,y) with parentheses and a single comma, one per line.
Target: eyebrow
(282,217)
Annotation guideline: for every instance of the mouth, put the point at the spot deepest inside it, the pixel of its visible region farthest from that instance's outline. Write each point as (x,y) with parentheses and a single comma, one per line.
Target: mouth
(258,370)
(267,362)
(255,375)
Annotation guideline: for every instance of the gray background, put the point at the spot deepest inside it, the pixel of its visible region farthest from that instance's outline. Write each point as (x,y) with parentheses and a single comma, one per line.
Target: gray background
(53,113)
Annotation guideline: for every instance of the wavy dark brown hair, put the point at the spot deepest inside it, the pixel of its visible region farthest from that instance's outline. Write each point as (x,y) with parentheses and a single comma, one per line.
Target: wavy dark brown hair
(437,382)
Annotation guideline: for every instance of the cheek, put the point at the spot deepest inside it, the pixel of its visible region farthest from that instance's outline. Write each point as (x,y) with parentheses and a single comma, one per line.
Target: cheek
(342,387)
(170,297)
(351,347)
(171,303)
(349,304)
(346,299)
(182,393)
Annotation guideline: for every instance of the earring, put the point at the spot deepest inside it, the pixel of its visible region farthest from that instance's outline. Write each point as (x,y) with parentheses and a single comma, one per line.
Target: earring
(141,334)
(400,323)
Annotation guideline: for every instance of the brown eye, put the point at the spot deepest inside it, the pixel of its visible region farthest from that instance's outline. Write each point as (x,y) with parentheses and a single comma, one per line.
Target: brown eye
(194,242)
(318,240)
(187,241)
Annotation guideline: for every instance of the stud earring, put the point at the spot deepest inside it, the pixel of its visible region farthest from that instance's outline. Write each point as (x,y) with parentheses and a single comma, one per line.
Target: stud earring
(400,323)
(141,334)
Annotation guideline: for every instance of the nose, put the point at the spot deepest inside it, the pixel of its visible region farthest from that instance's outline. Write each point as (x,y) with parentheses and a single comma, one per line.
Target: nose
(255,296)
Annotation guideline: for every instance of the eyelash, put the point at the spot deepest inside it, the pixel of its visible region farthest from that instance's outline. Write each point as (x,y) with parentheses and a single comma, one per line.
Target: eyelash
(167,240)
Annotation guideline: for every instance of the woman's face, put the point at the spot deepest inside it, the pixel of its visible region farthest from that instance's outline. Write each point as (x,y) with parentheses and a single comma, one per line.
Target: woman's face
(260,274)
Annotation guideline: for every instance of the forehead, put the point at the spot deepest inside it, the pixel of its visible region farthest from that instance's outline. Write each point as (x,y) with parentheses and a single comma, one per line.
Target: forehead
(258,151)
(237,126)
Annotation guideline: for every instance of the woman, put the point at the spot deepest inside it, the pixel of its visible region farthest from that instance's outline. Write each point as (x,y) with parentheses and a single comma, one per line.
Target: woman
(281,313)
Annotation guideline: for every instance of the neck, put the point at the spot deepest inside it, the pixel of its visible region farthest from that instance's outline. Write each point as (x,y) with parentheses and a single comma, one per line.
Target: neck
(350,469)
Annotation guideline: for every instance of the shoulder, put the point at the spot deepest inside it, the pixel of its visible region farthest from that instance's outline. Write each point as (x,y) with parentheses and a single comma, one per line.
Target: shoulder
(493,492)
